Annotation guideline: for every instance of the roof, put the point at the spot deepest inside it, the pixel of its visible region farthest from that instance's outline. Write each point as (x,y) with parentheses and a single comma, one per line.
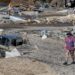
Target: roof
(10,36)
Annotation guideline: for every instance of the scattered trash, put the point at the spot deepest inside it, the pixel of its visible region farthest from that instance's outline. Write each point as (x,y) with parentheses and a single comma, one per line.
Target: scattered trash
(30,13)
(17,19)
(43,32)
(61,37)
(44,37)
(37,21)
(1,31)
(62,19)
(13,53)
(47,20)
(73,31)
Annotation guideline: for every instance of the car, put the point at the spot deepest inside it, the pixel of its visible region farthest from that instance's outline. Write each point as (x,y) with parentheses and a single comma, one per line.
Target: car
(7,41)
(11,40)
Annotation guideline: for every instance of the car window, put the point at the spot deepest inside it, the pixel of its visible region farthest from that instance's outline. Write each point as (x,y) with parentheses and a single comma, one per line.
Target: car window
(5,41)
(17,41)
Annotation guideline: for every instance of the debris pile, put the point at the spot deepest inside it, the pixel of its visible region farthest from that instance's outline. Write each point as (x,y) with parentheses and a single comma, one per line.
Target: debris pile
(33,17)
(4,19)
(57,34)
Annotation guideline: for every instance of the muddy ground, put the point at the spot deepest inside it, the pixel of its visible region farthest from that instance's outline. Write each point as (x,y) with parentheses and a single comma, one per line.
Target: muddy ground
(39,57)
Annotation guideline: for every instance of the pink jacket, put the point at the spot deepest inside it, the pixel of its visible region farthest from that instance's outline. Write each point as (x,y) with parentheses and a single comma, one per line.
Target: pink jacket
(68,40)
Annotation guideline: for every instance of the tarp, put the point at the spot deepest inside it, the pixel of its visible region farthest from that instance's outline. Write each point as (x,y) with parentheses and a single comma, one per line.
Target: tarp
(44,37)
(13,53)
(15,19)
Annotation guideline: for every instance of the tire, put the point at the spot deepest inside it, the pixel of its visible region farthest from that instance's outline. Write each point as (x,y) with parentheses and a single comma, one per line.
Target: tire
(3,54)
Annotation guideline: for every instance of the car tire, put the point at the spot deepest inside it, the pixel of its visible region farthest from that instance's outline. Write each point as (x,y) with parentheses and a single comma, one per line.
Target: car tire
(3,54)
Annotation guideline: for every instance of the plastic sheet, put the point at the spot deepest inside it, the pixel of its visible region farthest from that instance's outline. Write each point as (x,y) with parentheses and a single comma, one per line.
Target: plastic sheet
(13,53)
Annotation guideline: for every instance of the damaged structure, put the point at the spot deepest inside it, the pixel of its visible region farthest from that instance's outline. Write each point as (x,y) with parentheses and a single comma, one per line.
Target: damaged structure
(54,3)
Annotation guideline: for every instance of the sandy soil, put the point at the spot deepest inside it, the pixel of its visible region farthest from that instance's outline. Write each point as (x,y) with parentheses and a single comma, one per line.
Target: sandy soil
(24,66)
(41,57)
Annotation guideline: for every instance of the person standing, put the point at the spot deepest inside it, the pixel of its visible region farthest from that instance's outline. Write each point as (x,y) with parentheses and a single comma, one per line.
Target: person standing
(69,47)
